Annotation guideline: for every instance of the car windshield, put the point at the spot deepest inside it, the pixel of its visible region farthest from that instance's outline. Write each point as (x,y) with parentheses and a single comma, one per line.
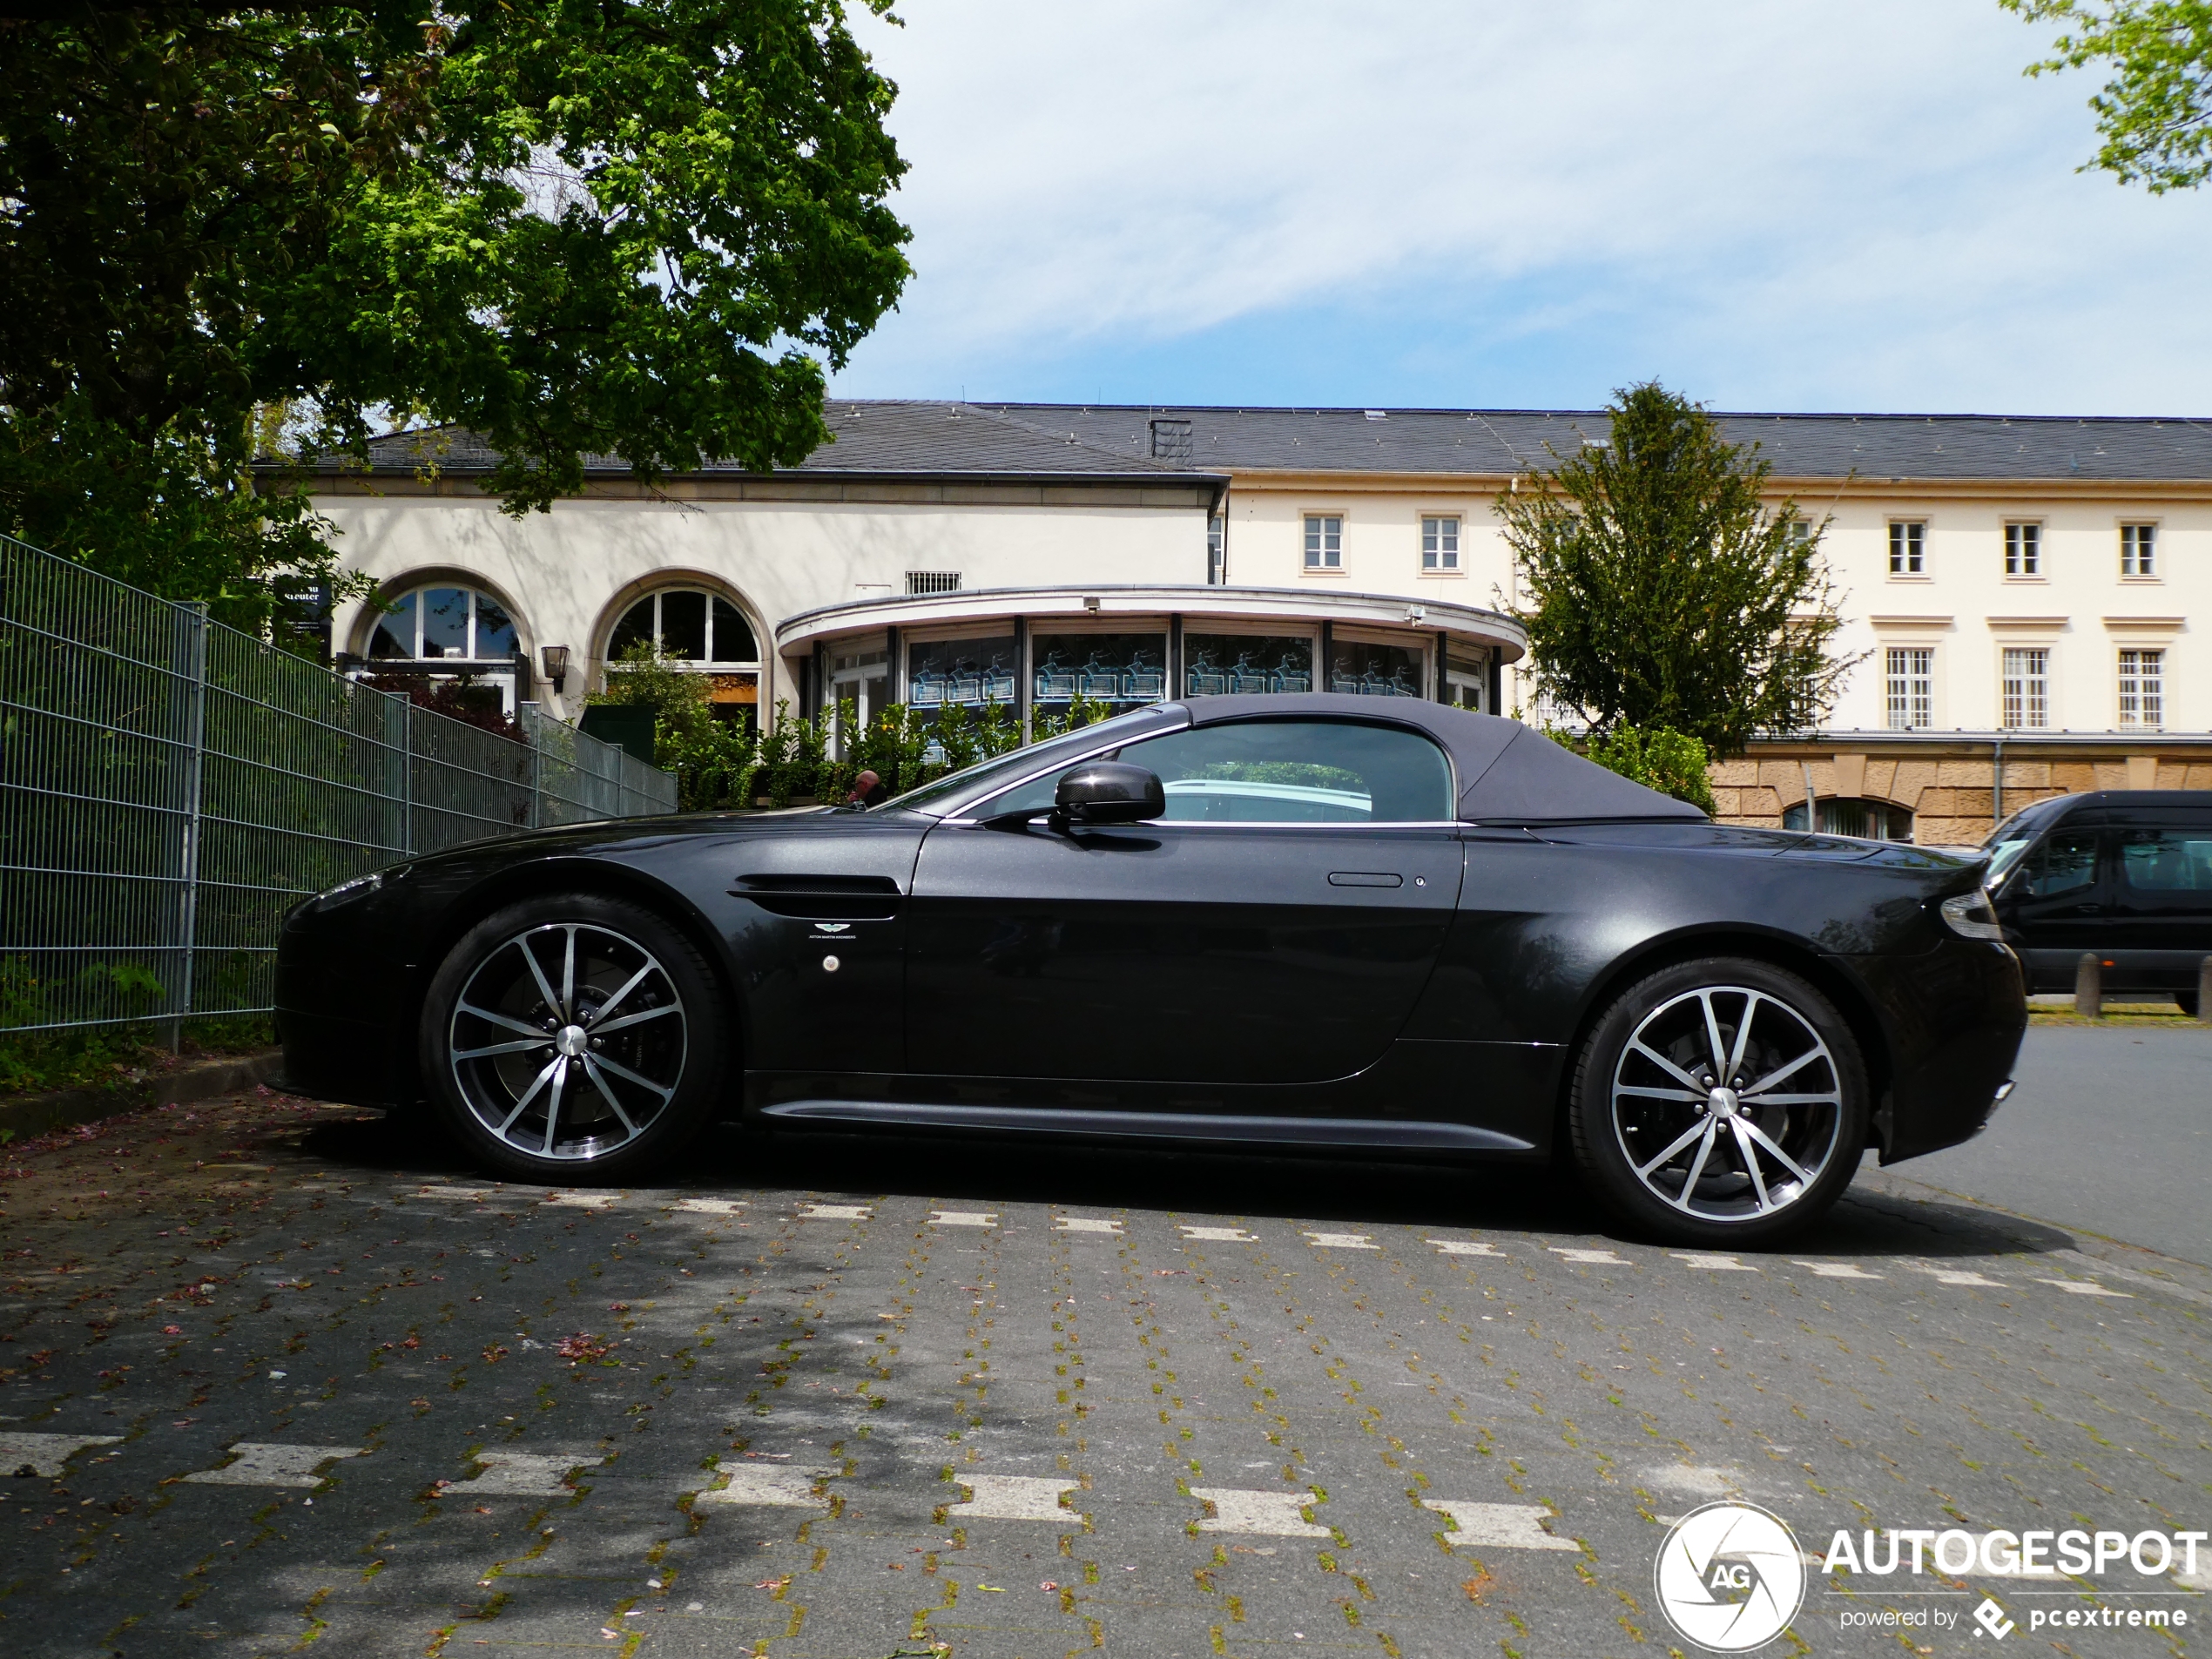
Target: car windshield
(2007,841)
(948,793)
(2002,856)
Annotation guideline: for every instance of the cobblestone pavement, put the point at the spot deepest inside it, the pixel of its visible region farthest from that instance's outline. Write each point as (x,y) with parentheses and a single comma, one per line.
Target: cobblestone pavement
(278,1376)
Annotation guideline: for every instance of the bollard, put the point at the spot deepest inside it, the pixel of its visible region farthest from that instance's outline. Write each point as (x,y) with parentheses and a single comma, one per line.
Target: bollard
(2089,987)
(2204,992)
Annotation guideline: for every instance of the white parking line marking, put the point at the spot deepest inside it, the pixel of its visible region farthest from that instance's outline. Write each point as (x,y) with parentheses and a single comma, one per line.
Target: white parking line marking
(1275,1514)
(1710,1263)
(1498,1525)
(1959,1276)
(1464,1247)
(963,1217)
(265,1463)
(1604,1258)
(1220,1235)
(1086,1224)
(1836,1270)
(585,1200)
(1343,1241)
(527,1475)
(457,1193)
(834,1212)
(1013,1497)
(710,1206)
(44,1453)
(776,1488)
(2087,1287)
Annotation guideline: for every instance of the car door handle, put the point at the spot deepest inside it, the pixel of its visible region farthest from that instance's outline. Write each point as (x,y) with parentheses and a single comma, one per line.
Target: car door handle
(1365,879)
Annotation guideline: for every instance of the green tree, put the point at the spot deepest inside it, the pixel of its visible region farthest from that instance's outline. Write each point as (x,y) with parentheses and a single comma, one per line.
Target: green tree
(1660,591)
(636,228)
(2154,114)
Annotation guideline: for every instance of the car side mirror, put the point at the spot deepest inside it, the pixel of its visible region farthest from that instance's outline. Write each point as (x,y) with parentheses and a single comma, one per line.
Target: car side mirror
(1109,791)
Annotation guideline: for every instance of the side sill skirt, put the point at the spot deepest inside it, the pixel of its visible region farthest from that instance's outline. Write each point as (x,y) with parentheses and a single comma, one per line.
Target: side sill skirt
(1405,1133)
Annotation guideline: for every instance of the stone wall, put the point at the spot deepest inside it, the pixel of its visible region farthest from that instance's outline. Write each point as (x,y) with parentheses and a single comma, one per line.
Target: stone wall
(1949,795)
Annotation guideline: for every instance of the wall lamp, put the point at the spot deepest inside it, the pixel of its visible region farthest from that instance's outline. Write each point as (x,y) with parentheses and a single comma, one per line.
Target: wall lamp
(555,660)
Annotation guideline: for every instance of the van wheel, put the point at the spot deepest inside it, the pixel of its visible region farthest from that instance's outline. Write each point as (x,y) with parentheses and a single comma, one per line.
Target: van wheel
(573,1040)
(2187,1001)
(1719,1101)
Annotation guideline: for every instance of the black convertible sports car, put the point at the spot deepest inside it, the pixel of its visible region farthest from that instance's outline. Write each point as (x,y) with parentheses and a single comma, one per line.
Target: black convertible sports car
(1312,921)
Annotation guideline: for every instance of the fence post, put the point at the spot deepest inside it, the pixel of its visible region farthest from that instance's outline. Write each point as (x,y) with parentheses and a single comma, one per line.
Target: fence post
(406,775)
(195,616)
(532,736)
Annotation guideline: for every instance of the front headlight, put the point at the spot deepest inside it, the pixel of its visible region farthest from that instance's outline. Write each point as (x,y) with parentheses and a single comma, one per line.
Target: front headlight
(1972,917)
(360,887)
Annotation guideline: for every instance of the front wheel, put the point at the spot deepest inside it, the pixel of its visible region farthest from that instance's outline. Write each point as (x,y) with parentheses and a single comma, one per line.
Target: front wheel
(573,1039)
(1719,1101)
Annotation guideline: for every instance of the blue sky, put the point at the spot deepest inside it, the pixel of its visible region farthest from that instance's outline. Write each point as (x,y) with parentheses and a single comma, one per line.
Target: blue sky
(1769,205)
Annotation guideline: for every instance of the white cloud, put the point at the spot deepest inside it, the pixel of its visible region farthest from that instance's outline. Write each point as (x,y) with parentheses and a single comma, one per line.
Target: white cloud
(1774,204)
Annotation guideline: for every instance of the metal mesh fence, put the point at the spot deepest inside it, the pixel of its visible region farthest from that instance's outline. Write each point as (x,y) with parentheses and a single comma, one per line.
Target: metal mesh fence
(169,787)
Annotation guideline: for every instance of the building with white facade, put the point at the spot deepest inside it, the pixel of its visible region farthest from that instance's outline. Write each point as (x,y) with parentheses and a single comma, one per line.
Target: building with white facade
(2022,590)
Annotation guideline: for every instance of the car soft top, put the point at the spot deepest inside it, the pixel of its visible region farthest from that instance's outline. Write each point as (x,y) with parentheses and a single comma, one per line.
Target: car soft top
(1508,773)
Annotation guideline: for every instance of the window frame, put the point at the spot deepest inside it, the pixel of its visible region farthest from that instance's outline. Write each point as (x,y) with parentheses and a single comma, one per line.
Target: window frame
(1432,526)
(2143,532)
(1891,679)
(709,664)
(2024,550)
(2130,683)
(1313,559)
(2034,689)
(378,619)
(1908,550)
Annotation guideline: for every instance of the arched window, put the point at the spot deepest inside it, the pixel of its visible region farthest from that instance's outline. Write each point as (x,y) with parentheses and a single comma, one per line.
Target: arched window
(433,624)
(1878,820)
(700,631)
(449,636)
(691,626)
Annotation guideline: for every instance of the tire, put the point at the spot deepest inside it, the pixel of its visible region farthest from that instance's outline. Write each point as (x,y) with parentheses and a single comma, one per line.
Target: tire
(501,1044)
(1773,1143)
(2186,1001)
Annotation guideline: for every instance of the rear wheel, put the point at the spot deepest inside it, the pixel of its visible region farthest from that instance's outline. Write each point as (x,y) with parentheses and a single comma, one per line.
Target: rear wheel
(1719,1100)
(573,1039)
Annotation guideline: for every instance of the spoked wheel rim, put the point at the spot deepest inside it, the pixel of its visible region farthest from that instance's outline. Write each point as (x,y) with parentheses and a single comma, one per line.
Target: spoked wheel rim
(568,1042)
(1728,1103)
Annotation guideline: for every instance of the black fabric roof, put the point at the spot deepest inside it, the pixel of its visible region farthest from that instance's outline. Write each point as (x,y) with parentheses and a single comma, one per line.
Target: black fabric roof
(1508,774)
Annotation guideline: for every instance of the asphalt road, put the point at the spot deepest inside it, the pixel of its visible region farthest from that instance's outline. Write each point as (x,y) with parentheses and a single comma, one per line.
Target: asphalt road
(2110,1130)
(826,1400)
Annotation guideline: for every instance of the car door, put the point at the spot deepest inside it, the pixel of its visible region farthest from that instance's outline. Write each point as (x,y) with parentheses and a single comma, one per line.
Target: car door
(1277,926)
(2058,904)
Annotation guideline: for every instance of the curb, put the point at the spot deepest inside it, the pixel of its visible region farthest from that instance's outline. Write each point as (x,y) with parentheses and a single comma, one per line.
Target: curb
(199,1079)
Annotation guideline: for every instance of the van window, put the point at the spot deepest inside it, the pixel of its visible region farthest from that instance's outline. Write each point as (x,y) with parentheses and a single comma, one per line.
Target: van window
(2063,864)
(2167,861)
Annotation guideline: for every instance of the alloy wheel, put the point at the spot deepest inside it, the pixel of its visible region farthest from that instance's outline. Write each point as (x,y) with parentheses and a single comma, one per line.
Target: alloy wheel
(1727,1104)
(568,1041)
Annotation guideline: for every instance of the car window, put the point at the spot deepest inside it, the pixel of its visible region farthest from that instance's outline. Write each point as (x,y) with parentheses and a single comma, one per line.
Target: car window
(935,798)
(1283,771)
(2167,861)
(2062,864)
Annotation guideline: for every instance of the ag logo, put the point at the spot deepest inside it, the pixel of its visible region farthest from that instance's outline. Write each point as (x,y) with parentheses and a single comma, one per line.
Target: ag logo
(1730,1578)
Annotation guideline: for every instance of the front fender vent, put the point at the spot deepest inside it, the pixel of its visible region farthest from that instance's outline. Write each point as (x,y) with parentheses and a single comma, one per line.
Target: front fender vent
(822,898)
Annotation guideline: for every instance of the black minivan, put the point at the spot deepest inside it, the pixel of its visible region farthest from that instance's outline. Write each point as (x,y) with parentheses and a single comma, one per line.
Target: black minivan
(2126,873)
